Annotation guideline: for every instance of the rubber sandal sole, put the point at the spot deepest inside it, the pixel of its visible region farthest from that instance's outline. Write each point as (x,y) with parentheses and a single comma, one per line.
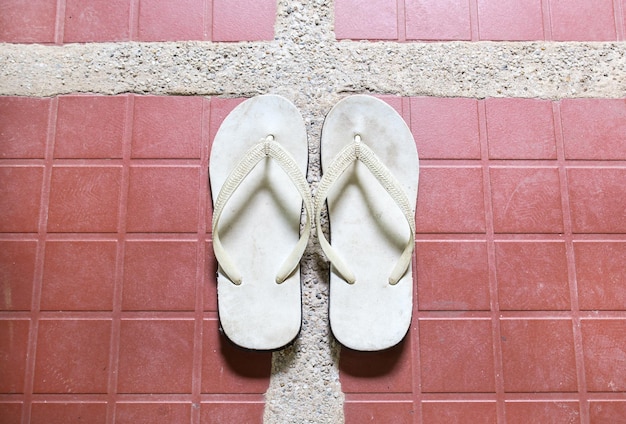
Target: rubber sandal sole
(367,228)
(260,224)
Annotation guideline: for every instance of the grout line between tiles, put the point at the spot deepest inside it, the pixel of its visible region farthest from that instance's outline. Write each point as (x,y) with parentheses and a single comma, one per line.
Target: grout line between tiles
(239,398)
(455,397)
(474,21)
(416,361)
(419,237)
(133,20)
(378,397)
(16,163)
(371,397)
(546,20)
(31,355)
(423,315)
(620,16)
(571,264)
(207,21)
(210,27)
(491,260)
(414,331)
(518,163)
(164,163)
(401,16)
(59,26)
(139,315)
(406,110)
(196,383)
(119,263)
(511,397)
(424,163)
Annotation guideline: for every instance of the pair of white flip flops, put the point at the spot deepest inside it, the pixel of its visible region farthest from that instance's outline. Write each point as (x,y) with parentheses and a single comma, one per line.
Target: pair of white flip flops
(370,175)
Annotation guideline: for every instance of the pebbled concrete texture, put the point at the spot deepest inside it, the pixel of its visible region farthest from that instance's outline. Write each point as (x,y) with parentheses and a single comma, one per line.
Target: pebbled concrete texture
(465,69)
(307,65)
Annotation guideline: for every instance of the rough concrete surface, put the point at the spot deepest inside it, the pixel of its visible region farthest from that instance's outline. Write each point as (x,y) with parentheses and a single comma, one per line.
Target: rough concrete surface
(307,65)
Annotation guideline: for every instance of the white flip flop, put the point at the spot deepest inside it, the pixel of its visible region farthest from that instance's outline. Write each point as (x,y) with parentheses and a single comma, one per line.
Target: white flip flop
(257,172)
(371,168)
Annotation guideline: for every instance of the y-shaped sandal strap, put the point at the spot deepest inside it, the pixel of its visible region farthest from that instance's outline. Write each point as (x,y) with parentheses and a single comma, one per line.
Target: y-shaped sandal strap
(264,149)
(359,151)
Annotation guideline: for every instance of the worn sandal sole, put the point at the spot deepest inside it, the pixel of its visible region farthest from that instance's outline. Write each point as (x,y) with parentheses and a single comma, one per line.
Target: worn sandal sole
(369,229)
(259,222)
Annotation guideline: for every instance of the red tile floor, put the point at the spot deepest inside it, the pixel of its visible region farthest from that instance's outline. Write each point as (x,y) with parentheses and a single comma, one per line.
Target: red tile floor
(106,265)
(521,264)
(79,21)
(498,20)
(112,230)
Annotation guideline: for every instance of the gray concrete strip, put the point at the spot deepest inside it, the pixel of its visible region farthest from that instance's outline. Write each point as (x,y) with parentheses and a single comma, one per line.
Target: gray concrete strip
(466,69)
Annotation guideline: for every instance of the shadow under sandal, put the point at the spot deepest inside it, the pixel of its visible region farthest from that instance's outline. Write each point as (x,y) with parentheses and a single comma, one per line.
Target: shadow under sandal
(257,173)
(371,168)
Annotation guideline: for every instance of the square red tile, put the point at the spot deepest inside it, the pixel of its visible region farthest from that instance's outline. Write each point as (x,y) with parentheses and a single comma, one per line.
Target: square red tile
(163,199)
(450,200)
(459,412)
(597,199)
(84,199)
(445,128)
(72,356)
(210,286)
(10,413)
(520,129)
(229,369)
(149,413)
(538,356)
(90,127)
(96,21)
(603,412)
(393,101)
(437,20)
(542,412)
(387,371)
(171,20)
(400,104)
(526,200)
(20,198)
(452,276)
(167,127)
(156,356)
(79,276)
(66,413)
(532,276)
(456,356)
(13,348)
(605,360)
(23,126)
(232,412)
(366,20)
(601,274)
(512,20)
(399,412)
(241,20)
(160,276)
(594,128)
(26,21)
(220,108)
(17,271)
(571,20)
